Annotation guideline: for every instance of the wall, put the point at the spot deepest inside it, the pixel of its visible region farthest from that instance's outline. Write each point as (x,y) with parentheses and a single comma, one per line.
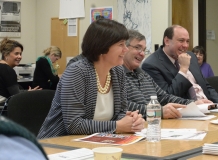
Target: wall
(28,30)
(46,9)
(212,24)
(36,23)
(161,19)
(84,22)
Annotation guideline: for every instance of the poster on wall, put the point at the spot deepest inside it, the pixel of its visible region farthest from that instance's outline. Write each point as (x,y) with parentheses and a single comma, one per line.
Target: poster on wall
(10,18)
(136,14)
(106,12)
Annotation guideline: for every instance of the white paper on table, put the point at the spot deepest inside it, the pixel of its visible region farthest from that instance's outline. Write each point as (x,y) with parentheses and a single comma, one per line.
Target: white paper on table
(178,134)
(191,110)
(204,107)
(210,149)
(204,118)
(214,110)
(77,154)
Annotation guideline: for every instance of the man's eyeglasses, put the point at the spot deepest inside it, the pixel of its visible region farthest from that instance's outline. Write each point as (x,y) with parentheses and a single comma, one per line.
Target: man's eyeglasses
(139,49)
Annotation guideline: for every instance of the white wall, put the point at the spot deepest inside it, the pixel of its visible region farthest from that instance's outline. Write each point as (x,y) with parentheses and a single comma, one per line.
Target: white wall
(161,19)
(85,22)
(28,30)
(36,23)
(46,9)
(212,24)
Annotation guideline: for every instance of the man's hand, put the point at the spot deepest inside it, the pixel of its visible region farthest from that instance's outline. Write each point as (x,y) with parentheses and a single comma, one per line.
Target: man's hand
(202,101)
(184,61)
(170,110)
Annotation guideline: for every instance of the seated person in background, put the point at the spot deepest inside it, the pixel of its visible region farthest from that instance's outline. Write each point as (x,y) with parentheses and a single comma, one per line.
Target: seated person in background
(45,74)
(91,95)
(18,143)
(11,56)
(140,86)
(175,70)
(202,57)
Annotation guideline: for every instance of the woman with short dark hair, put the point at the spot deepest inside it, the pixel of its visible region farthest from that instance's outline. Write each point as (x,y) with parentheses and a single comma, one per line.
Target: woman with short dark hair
(202,57)
(91,95)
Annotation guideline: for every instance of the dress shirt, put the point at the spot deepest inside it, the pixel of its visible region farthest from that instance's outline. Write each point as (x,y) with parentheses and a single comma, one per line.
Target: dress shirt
(198,90)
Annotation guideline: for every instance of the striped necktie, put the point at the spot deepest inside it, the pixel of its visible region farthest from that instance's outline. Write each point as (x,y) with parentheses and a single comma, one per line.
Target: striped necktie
(177,64)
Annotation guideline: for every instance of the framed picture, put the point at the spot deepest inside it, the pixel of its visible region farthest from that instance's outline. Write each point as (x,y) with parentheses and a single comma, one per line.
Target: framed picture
(10,18)
(105,12)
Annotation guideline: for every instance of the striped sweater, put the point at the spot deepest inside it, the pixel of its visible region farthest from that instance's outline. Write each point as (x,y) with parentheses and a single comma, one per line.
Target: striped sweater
(73,106)
(140,86)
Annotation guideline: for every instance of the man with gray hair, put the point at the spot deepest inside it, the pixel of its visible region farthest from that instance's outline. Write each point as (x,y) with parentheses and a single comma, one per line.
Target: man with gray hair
(140,86)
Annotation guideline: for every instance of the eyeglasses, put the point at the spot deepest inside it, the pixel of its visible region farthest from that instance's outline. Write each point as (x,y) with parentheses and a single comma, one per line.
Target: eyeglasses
(139,49)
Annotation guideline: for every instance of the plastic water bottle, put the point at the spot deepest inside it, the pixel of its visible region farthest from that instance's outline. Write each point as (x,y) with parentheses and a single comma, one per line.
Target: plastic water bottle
(154,120)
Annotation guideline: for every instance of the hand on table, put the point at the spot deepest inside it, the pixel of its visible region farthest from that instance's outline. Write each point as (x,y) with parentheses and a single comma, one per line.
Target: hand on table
(202,101)
(132,122)
(170,110)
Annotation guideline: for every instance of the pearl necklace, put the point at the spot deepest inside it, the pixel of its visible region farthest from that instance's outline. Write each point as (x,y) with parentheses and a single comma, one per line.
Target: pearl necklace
(104,89)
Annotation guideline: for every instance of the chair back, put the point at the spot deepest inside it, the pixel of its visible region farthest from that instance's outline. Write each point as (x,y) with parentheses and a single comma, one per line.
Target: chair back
(213,81)
(30,108)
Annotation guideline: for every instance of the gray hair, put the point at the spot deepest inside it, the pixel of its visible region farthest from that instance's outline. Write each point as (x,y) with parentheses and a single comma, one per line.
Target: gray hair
(133,34)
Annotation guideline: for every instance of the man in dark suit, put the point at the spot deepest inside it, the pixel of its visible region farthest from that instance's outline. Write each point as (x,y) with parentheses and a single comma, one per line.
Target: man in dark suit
(177,71)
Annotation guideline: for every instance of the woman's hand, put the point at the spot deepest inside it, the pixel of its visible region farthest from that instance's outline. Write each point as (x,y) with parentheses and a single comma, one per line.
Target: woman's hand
(36,88)
(132,122)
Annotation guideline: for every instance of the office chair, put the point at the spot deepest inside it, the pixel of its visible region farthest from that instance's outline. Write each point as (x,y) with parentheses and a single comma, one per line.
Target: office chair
(213,81)
(30,108)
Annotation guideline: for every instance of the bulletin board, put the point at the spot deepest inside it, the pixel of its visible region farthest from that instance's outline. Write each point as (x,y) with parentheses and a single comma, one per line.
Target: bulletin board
(69,45)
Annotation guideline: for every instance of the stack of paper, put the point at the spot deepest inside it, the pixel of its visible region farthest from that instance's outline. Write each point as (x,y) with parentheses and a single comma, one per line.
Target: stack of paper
(210,149)
(195,112)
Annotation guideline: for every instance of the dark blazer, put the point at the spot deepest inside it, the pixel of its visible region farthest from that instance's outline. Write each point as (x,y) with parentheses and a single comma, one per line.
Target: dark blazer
(165,74)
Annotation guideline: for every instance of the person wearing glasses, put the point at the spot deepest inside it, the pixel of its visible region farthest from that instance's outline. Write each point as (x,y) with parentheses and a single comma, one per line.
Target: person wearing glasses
(91,95)
(140,86)
(176,70)
(204,66)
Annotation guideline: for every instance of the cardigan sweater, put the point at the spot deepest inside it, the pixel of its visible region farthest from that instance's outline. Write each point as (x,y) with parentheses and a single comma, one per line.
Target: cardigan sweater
(73,106)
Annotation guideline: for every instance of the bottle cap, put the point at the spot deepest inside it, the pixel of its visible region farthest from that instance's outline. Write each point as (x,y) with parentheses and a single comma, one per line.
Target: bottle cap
(153,97)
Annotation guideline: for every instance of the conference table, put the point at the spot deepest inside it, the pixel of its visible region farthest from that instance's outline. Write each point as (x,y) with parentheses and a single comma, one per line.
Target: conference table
(165,149)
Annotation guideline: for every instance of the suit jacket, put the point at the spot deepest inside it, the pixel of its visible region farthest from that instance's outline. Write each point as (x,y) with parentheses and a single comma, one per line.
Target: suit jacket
(73,106)
(165,74)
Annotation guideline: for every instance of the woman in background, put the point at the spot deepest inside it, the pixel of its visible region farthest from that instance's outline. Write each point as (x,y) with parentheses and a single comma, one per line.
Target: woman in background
(91,95)
(201,56)
(11,51)
(45,74)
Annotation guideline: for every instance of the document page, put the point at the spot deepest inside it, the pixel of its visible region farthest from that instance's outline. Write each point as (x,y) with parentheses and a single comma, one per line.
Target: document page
(77,154)
(195,112)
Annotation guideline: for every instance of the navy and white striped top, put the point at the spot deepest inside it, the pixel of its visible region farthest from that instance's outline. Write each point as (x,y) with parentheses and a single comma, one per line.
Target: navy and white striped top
(73,106)
(140,86)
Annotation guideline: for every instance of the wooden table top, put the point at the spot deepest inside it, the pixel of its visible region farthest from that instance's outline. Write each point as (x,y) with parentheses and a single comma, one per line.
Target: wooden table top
(159,149)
